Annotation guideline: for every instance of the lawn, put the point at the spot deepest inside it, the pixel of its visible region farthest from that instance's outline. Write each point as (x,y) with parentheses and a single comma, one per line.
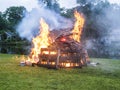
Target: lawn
(105,76)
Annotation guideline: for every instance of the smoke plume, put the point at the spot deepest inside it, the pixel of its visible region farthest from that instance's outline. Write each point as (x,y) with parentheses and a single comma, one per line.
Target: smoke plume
(109,27)
(29,27)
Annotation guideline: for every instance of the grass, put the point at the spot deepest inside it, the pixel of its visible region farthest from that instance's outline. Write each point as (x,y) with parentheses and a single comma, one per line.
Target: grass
(105,76)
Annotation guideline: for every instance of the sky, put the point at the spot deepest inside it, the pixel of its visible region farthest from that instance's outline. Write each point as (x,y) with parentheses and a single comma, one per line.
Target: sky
(26,3)
(29,4)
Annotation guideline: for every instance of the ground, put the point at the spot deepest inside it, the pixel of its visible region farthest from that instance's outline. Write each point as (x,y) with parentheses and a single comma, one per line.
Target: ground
(105,76)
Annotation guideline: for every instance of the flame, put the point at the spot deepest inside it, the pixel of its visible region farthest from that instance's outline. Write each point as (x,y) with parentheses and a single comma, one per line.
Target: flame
(45,52)
(78,26)
(53,63)
(53,53)
(41,41)
(67,64)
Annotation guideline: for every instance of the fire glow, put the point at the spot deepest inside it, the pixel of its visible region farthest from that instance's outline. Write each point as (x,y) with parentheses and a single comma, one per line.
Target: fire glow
(43,40)
(78,26)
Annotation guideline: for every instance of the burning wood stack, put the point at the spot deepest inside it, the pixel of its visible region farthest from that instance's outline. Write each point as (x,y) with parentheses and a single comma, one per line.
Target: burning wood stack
(65,50)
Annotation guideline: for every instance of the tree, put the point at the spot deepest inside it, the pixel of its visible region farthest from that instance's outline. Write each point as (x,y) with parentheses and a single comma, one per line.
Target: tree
(3,27)
(68,13)
(9,20)
(3,22)
(14,15)
(51,4)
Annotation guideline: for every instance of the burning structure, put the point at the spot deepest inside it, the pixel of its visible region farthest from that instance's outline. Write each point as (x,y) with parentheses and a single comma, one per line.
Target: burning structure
(63,50)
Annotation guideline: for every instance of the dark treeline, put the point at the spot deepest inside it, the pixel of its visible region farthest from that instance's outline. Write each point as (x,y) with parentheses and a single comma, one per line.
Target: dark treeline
(99,23)
(8,23)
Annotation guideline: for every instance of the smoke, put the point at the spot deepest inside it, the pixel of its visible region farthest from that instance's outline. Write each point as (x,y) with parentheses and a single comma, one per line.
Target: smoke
(108,22)
(113,38)
(29,27)
(67,3)
(114,1)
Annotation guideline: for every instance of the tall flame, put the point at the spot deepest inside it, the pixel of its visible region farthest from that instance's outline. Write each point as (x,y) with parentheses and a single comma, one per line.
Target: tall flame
(41,41)
(78,26)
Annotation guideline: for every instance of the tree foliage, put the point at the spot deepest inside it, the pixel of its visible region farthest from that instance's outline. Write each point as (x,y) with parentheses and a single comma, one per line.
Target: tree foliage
(51,4)
(14,15)
(9,20)
(3,22)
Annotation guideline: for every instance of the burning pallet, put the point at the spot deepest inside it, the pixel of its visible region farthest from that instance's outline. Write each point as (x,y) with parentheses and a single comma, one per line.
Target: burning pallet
(63,50)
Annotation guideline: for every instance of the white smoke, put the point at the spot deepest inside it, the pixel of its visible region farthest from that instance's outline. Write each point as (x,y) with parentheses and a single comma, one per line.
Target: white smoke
(110,20)
(114,1)
(29,27)
(67,3)
(114,31)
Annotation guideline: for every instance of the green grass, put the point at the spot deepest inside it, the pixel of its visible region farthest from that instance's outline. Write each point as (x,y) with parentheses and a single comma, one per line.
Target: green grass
(105,76)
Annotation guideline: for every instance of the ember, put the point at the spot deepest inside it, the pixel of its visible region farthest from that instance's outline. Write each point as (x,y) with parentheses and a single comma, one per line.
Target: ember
(63,39)
(65,51)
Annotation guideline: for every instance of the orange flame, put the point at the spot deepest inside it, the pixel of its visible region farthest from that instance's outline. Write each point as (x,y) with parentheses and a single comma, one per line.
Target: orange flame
(41,41)
(67,64)
(78,26)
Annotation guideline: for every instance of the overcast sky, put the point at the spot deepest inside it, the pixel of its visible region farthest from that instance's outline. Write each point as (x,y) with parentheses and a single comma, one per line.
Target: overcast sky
(29,4)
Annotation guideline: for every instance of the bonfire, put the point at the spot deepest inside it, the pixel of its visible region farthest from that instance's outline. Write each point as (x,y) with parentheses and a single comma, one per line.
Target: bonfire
(62,50)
